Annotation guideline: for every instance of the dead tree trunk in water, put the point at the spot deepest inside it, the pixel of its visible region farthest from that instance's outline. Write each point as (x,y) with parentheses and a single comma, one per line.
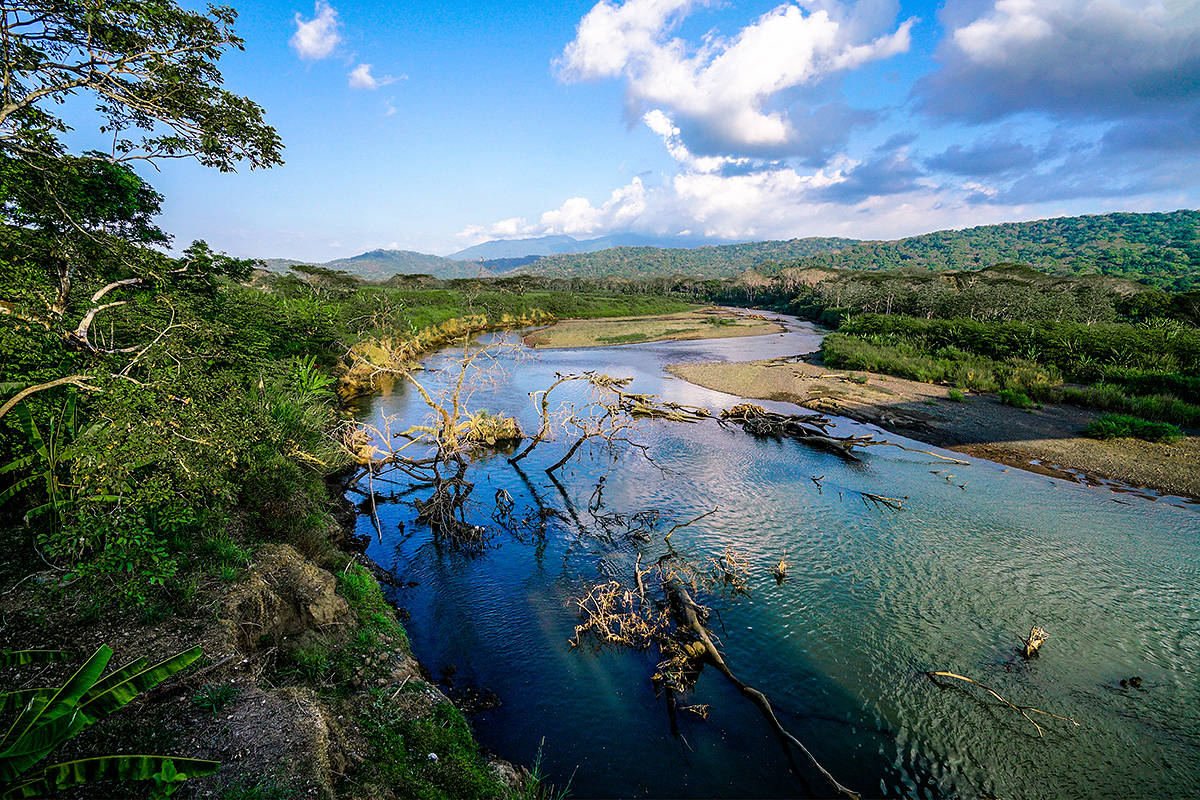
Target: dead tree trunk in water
(688,608)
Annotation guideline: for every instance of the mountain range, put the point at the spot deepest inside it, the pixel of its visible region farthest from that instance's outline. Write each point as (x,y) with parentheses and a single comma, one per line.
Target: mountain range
(557,245)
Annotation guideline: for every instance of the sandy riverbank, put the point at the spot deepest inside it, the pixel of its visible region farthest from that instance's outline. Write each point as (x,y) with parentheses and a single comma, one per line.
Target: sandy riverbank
(706,323)
(1043,440)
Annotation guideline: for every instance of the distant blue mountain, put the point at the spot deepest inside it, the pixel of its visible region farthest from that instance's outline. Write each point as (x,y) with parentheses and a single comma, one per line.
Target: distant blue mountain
(561,244)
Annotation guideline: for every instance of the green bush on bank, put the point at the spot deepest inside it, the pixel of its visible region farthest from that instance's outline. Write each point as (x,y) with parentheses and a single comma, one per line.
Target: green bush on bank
(1146,358)
(1144,371)
(1123,426)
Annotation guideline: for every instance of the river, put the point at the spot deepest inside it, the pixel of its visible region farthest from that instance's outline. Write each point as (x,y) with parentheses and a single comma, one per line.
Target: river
(874,598)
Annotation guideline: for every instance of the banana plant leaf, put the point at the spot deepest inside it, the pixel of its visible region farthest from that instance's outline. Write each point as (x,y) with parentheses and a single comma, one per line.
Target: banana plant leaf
(15,658)
(17,488)
(63,702)
(19,699)
(134,682)
(164,769)
(38,742)
(20,463)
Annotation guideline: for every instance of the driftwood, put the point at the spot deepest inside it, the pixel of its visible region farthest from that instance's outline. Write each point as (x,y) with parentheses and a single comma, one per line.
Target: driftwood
(1024,710)
(659,611)
(813,430)
(433,454)
(609,415)
(1037,637)
(810,429)
(79,381)
(691,615)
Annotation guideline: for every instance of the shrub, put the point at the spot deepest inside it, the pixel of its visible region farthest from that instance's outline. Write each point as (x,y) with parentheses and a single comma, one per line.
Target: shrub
(955,396)
(1011,397)
(1123,426)
(215,696)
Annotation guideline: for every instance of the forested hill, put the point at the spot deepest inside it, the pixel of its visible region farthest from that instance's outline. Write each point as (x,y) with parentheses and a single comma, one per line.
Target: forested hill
(1158,249)
(651,262)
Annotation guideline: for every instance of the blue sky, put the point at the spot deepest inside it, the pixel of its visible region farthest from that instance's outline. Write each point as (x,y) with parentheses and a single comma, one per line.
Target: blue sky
(433,126)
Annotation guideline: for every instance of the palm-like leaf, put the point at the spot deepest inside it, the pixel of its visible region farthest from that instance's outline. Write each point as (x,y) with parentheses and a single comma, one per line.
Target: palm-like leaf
(47,717)
(36,743)
(14,658)
(132,680)
(113,768)
(19,699)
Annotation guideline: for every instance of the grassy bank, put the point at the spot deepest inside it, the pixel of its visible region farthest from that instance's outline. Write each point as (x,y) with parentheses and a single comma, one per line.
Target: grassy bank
(1148,371)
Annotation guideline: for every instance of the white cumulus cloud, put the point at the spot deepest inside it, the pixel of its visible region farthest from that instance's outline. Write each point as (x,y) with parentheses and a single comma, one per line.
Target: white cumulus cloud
(361,78)
(316,38)
(723,93)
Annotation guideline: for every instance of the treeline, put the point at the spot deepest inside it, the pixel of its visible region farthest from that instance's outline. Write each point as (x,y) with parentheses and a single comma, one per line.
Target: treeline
(649,262)
(1141,359)
(1160,250)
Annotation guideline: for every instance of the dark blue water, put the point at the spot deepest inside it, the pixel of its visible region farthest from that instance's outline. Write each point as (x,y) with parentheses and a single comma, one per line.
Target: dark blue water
(873,598)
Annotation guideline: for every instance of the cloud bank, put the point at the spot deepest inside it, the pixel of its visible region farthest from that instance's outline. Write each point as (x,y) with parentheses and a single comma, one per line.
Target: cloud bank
(1021,104)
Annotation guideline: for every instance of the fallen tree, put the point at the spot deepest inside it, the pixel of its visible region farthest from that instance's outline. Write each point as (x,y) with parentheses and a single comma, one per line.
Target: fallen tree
(659,610)
(813,430)
(607,414)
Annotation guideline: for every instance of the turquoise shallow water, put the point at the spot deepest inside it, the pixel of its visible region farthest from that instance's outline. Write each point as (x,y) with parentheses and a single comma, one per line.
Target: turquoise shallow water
(873,598)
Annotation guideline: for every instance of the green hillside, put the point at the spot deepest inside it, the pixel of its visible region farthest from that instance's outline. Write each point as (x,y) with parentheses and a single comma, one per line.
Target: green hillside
(1157,249)
(379,265)
(650,262)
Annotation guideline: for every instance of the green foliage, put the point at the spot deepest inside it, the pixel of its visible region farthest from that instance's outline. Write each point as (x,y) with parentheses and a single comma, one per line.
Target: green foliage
(1161,250)
(215,696)
(624,338)
(1082,352)
(715,261)
(962,369)
(1107,397)
(59,192)
(955,396)
(1016,399)
(1122,426)
(402,749)
(152,68)
(308,380)
(365,598)
(41,720)
(50,464)
(536,787)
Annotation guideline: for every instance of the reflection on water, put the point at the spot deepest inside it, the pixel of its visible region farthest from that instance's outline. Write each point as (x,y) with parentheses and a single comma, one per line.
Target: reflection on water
(873,598)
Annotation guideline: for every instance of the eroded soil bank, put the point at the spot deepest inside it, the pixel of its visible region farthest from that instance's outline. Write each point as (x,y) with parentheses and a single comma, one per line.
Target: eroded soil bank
(1043,440)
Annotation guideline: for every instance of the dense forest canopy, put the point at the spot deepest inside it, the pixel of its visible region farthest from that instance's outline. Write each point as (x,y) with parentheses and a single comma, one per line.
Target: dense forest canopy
(1158,249)
(649,262)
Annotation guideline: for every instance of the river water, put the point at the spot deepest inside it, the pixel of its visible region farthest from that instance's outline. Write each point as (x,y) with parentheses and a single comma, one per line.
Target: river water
(874,598)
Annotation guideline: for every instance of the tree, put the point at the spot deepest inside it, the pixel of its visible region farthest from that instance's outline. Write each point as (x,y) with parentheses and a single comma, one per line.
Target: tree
(152,67)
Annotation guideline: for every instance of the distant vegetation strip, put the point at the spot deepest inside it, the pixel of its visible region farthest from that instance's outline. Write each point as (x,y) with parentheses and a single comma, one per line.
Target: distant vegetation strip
(1161,249)
(648,262)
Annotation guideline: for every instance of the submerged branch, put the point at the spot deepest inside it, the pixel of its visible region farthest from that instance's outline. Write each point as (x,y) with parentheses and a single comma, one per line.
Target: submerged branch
(1022,709)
